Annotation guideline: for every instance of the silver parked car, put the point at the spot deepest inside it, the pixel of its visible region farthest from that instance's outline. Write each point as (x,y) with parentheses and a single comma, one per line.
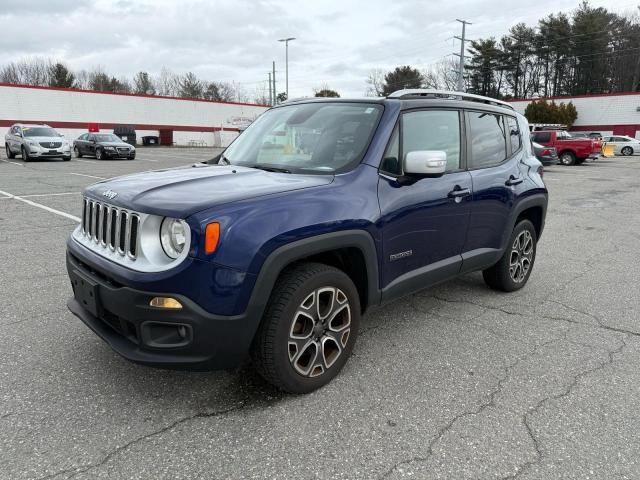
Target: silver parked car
(623,145)
(36,141)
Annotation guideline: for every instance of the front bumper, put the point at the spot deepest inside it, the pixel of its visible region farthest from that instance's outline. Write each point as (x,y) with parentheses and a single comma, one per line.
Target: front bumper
(189,338)
(38,152)
(116,154)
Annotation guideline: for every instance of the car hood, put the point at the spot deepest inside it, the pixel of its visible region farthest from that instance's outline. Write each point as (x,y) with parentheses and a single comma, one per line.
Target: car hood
(181,192)
(113,144)
(46,139)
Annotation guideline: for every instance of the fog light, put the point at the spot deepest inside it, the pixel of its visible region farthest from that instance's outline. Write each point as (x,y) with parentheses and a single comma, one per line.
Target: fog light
(165,302)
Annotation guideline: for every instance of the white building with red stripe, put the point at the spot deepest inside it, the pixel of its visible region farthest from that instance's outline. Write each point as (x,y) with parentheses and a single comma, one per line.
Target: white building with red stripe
(609,113)
(177,121)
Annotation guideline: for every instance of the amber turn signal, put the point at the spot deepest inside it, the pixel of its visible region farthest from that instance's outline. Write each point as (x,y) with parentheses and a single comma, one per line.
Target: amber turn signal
(165,302)
(211,237)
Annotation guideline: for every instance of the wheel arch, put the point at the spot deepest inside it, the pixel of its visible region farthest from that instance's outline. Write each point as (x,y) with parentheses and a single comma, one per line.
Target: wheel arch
(533,208)
(348,250)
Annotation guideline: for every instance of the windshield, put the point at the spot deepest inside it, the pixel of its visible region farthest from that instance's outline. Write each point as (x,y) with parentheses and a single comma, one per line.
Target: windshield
(107,138)
(306,138)
(39,132)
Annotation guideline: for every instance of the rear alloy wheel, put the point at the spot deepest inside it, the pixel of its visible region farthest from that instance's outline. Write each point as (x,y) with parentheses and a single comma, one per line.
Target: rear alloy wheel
(76,152)
(309,328)
(514,268)
(25,155)
(98,154)
(10,154)
(567,158)
(626,151)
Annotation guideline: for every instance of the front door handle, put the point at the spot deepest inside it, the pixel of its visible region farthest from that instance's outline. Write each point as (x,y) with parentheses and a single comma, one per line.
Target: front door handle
(458,192)
(513,180)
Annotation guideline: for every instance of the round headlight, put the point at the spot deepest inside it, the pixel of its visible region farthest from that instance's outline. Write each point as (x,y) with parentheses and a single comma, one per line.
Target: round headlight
(173,236)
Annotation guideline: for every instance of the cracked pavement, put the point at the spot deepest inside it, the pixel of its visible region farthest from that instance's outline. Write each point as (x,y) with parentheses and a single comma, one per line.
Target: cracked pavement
(455,382)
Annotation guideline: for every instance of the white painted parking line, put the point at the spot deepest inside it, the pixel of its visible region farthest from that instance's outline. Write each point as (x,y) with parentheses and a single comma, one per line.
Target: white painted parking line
(14,163)
(38,205)
(85,175)
(49,194)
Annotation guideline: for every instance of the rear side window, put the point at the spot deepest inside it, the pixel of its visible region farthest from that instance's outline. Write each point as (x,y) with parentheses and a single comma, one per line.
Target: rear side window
(542,137)
(488,139)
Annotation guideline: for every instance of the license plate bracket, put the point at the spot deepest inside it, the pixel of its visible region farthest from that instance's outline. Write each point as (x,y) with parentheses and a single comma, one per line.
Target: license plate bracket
(86,292)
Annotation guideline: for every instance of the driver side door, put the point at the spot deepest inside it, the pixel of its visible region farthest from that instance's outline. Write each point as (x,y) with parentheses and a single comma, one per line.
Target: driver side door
(423,220)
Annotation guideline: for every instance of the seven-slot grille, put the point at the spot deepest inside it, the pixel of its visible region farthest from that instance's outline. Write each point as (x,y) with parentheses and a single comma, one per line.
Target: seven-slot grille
(111,227)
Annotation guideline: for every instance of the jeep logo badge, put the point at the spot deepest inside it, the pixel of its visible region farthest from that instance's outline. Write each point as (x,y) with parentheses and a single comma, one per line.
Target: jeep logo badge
(110,194)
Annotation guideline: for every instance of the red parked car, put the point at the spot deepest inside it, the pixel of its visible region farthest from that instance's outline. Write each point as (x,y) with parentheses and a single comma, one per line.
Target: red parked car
(571,150)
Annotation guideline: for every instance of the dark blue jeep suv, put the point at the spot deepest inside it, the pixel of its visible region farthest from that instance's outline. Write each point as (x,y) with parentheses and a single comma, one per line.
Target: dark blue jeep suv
(321,210)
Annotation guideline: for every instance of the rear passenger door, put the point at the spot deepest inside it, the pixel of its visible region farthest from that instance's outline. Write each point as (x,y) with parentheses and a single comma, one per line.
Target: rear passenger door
(494,158)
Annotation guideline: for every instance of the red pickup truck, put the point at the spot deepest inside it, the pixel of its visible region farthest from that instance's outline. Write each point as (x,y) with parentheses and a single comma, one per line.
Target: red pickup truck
(571,150)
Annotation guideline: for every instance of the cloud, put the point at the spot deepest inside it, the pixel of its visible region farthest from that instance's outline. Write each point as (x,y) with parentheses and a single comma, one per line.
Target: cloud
(337,42)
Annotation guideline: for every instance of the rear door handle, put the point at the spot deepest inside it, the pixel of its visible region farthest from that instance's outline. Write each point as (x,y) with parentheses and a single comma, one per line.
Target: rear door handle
(513,180)
(459,192)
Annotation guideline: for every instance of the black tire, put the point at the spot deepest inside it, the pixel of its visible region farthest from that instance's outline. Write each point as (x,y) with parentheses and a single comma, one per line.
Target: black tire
(10,154)
(98,154)
(67,159)
(626,151)
(501,276)
(76,152)
(278,356)
(25,155)
(567,158)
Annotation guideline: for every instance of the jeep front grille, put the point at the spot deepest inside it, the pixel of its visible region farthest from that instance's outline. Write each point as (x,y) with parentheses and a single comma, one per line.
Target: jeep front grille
(111,227)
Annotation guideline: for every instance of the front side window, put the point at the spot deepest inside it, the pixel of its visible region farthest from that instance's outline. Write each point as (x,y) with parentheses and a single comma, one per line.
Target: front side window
(432,130)
(316,138)
(488,139)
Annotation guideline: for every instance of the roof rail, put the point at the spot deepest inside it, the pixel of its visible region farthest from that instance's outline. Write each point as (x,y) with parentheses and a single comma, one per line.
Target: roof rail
(426,92)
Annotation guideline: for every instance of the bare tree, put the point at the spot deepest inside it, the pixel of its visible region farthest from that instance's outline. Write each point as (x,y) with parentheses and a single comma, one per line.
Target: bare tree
(29,71)
(442,75)
(375,83)
(167,83)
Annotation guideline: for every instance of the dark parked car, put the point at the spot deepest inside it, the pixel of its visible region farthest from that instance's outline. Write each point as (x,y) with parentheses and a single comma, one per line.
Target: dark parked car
(276,251)
(102,145)
(546,155)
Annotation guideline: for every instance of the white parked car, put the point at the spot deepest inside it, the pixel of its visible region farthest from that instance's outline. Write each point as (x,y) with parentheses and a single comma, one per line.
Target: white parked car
(36,141)
(623,145)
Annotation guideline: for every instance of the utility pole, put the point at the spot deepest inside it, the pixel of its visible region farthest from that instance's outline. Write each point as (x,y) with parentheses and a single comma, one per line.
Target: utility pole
(286,62)
(463,41)
(270,90)
(275,96)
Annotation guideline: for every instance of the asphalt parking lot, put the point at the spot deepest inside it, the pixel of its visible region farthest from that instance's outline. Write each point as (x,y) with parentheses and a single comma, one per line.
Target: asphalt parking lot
(454,382)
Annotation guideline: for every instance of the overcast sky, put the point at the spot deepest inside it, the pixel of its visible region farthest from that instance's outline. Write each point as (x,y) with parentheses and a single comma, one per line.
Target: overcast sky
(338,41)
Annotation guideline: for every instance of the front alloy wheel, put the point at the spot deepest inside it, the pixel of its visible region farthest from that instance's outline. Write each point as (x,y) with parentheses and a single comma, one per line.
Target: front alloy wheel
(98,154)
(308,329)
(319,331)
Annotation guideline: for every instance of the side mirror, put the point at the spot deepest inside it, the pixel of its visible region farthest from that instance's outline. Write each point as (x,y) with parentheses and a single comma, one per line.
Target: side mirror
(431,163)
(19,134)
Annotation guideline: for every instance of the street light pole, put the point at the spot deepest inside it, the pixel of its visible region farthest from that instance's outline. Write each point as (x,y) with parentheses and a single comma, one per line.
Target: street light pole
(286,62)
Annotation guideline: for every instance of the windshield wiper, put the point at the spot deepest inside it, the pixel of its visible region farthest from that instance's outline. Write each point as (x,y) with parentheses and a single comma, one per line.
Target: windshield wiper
(269,168)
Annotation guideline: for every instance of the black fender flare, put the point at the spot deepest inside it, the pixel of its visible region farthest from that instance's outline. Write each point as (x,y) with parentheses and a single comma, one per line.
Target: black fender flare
(535,200)
(285,255)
